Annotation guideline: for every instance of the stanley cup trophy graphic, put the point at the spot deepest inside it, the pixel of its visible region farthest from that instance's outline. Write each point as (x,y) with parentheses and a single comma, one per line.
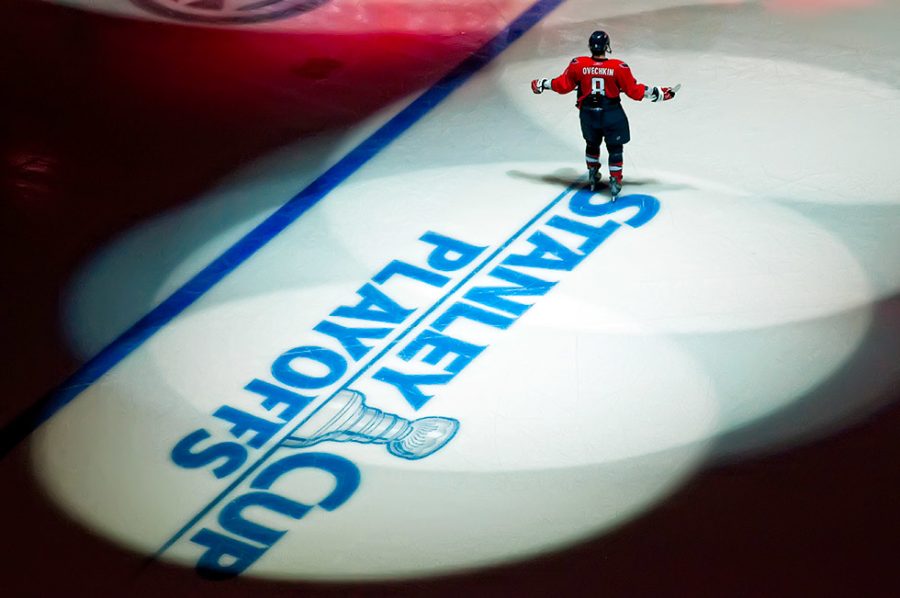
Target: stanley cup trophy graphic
(347,418)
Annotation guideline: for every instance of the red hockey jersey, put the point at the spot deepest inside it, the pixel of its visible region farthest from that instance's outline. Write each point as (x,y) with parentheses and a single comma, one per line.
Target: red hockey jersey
(607,76)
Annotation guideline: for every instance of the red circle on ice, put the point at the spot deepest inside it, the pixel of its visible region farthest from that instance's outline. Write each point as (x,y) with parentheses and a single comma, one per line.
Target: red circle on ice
(228,11)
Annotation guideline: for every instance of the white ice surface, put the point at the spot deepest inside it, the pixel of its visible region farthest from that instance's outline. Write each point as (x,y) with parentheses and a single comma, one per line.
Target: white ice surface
(753,291)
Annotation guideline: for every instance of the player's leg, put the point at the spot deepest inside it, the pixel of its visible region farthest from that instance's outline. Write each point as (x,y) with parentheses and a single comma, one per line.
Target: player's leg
(617,133)
(591,130)
(592,159)
(616,160)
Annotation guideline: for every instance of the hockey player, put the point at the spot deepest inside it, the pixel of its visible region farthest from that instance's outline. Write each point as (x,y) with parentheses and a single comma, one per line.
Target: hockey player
(600,81)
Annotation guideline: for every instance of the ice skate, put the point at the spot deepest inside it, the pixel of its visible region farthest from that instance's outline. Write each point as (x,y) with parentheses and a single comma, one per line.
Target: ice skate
(615,187)
(594,178)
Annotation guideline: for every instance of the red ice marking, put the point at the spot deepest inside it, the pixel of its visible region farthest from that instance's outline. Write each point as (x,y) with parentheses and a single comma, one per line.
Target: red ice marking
(293,83)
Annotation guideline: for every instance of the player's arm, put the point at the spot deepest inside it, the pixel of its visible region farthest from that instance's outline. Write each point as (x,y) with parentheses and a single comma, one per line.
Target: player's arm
(562,84)
(638,91)
(628,84)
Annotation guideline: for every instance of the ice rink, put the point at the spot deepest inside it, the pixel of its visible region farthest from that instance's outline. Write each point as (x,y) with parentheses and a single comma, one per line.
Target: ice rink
(311,297)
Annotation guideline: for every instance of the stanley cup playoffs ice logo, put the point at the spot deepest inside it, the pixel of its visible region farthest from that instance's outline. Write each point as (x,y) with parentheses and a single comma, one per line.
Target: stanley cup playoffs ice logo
(228,11)
(402,337)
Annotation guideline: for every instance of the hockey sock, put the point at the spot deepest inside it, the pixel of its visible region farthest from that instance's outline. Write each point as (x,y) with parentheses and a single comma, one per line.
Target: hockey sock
(615,170)
(615,162)
(592,157)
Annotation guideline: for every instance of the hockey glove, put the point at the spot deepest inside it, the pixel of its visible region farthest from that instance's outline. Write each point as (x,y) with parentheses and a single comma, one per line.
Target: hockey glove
(539,85)
(661,94)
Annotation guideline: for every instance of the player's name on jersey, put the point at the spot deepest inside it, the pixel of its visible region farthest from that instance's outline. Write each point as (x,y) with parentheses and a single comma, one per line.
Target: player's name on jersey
(598,70)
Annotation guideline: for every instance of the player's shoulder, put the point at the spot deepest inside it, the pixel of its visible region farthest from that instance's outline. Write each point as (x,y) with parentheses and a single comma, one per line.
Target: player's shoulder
(617,63)
(579,60)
